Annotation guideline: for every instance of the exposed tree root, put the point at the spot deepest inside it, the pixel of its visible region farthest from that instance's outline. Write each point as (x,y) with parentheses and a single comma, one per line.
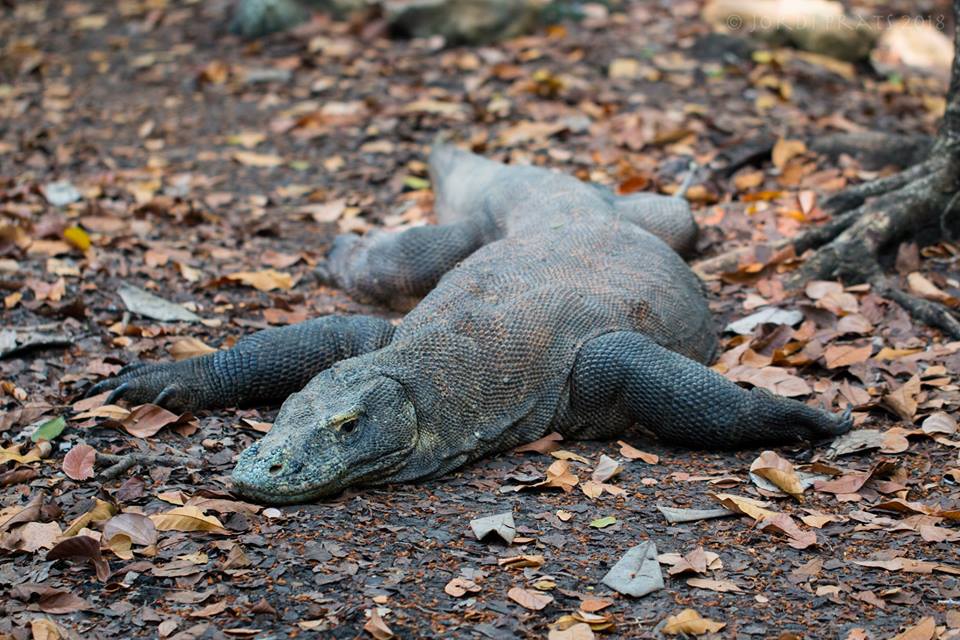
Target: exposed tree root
(853,197)
(930,313)
(887,219)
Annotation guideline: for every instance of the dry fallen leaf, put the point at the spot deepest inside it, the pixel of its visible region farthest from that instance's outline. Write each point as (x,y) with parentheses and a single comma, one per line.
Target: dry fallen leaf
(78,463)
(189,348)
(606,468)
(780,472)
(546,444)
(253,159)
(187,519)
(785,150)
(264,280)
(720,586)
(137,527)
(903,400)
(559,476)
(690,622)
(376,627)
(459,587)
(147,419)
(926,629)
(529,599)
(939,422)
(84,548)
(844,355)
(633,453)
(745,506)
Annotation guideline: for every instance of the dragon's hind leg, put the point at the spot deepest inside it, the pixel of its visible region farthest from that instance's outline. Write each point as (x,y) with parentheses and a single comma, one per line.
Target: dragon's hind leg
(683,401)
(263,368)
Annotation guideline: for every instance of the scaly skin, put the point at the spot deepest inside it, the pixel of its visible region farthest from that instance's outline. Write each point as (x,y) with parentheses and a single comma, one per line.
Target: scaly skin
(552,305)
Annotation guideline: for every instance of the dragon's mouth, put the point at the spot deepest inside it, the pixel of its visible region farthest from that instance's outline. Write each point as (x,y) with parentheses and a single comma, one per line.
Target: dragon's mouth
(248,480)
(281,494)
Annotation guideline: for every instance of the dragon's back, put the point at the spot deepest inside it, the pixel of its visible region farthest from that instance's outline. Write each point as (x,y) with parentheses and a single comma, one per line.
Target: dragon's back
(499,335)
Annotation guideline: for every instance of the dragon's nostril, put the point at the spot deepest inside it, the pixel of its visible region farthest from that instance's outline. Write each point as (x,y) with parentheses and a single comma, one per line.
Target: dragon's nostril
(276,468)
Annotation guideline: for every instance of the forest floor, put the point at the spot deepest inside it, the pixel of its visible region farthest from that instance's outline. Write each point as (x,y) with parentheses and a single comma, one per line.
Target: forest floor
(141,145)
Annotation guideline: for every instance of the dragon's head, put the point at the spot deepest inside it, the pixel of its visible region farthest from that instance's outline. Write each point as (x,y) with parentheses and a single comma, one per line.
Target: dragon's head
(342,429)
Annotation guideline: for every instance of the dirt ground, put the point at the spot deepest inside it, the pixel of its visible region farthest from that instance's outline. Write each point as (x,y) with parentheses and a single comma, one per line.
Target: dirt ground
(141,144)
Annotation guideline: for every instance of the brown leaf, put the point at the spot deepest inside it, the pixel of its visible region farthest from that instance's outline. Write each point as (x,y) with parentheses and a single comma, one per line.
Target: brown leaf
(844,355)
(529,599)
(922,287)
(213,609)
(187,519)
(773,379)
(939,422)
(18,476)
(52,601)
(236,559)
(576,631)
(849,483)
(783,523)
(745,506)
(14,515)
(147,419)
(459,587)
(376,627)
(521,561)
(784,150)
(633,453)
(139,528)
(903,401)
(926,629)
(189,348)
(78,463)
(46,629)
(606,469)
(84,548)
(546,444)
(780,472)
(559,476)
(720,586)
(592,605)
(265,280)
(253,159)
(690,622)
(38,535)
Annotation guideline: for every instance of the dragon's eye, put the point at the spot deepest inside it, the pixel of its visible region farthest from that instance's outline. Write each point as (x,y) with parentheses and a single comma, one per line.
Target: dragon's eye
(348,426)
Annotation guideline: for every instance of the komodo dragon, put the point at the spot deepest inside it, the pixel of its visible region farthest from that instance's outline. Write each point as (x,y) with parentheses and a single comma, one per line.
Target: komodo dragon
(551,304)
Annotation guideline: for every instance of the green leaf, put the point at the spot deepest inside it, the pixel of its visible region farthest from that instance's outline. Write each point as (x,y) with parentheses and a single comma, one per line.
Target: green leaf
(600,523)
(49,429)
(415,183)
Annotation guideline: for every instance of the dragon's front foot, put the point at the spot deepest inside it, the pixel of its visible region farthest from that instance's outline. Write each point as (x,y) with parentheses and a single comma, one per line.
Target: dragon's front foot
(173,385)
